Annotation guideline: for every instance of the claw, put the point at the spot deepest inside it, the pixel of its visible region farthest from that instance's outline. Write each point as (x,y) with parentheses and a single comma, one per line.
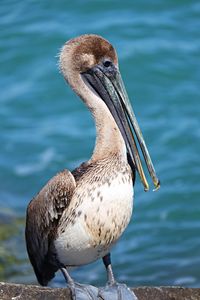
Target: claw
(116,291)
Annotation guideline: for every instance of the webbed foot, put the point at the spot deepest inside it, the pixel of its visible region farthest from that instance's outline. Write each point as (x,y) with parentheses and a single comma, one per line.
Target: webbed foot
(83,292)
(80,291)
(116,291)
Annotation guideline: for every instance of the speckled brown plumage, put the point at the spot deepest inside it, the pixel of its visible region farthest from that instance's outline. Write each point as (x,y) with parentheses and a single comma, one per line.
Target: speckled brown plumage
(50,215)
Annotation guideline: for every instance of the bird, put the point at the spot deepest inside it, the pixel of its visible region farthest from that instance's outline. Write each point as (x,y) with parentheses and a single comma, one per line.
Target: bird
(79,215)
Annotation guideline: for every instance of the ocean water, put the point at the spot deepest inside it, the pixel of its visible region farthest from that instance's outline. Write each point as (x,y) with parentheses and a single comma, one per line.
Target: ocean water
(45,128)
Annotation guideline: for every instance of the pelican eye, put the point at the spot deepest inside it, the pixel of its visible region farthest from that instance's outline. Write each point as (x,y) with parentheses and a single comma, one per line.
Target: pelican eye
(107,63)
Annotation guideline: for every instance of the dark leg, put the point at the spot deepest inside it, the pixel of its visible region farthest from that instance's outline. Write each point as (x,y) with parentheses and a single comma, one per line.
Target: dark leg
(79,291)
(107,264)
(114,290)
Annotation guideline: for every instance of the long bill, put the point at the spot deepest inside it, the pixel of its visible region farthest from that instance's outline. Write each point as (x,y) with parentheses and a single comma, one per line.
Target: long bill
(109,86)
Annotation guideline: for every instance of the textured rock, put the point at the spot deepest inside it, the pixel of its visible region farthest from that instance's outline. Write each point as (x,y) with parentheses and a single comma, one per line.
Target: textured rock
(11,291)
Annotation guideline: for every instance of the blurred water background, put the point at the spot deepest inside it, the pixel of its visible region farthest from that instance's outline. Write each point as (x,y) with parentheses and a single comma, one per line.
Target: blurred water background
(44,128)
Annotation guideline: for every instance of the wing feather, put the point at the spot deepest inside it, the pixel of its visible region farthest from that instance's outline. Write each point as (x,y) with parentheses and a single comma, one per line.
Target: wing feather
(43,214)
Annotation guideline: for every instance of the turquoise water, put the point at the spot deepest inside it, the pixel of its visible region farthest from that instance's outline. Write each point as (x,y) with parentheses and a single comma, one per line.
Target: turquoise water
(45,128)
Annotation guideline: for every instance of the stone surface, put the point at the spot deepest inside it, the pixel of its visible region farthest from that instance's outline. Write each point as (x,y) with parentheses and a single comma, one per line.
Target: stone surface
(11,291)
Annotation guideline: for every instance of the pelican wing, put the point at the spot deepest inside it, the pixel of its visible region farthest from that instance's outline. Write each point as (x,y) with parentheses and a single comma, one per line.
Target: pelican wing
(43,214)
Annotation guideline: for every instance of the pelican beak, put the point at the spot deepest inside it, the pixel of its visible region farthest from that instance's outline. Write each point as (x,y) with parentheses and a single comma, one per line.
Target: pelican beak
(108,84)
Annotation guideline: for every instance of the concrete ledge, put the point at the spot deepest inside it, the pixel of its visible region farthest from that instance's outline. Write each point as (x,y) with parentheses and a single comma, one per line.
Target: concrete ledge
(11,291)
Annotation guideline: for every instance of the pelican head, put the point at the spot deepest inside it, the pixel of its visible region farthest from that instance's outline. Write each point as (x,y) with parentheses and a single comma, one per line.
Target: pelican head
(89,64)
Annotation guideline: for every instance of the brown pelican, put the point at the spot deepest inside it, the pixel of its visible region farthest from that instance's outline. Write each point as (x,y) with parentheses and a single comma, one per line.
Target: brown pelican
(78,216)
